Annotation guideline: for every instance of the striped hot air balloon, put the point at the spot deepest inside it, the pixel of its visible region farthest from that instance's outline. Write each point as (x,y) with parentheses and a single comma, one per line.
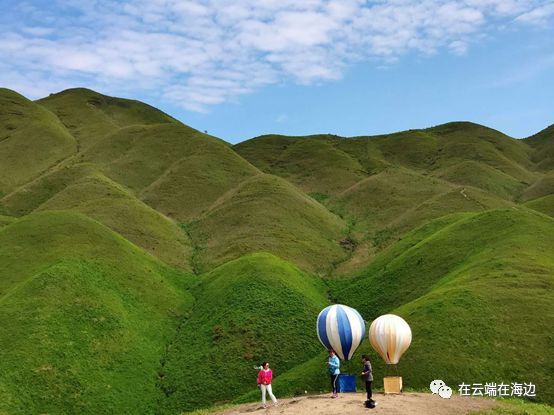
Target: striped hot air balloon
(390,336)
(340,328)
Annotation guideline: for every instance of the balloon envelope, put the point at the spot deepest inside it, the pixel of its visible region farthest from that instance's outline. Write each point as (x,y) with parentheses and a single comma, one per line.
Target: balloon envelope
(340,328)
(390,336)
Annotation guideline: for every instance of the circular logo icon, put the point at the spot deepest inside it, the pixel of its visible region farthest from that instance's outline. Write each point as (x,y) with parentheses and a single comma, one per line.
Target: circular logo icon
(445,392)
(435,385)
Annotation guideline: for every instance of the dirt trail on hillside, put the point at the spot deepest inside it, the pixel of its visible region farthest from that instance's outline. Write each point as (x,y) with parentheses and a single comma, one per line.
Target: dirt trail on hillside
(352,403)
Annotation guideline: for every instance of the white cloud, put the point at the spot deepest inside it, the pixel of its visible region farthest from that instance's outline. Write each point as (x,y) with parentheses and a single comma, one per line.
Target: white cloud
(539,15)
(200,53)
(458,47)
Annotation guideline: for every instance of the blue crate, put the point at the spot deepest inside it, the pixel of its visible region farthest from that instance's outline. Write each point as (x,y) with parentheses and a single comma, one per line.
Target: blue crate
(347,383)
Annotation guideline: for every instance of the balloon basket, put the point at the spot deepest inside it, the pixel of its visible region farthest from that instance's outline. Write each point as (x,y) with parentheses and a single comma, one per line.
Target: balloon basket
(392,384)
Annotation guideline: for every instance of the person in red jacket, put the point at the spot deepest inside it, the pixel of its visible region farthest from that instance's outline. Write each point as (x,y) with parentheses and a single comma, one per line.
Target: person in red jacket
(264,383)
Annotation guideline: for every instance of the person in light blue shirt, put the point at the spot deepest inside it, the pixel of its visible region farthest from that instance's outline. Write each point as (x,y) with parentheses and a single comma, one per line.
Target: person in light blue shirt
(333,365)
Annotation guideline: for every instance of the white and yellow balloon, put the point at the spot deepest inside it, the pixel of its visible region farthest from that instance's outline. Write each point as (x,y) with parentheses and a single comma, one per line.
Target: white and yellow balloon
(390,336)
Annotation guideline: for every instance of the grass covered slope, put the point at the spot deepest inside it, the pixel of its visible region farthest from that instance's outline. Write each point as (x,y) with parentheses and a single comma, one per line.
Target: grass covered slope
(386,185)
(90,116)
(174,168)
(30,196)
(377,200)
(543,146)
(255,308)
(85,317)
(82,188)
(543,204)
(6,220)
(476,290)
(316,164)
(31,140)
(104,200)
(266,213)
(438,151)
(386,205)
(485,177)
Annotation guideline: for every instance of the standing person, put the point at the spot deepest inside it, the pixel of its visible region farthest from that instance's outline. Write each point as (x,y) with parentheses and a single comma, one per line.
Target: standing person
(334,371)
(367,377)
(264,382)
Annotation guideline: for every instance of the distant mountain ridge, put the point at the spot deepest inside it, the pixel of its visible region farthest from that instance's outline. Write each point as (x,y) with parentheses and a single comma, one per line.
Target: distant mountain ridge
(132,244)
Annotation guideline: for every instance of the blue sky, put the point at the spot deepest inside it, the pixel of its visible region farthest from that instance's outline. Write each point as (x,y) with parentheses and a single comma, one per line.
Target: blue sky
(243,68)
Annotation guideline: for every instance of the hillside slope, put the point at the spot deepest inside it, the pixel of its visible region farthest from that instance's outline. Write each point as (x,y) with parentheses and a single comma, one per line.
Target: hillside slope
(386,185)
(104,200)
(31,140)
(266,213)
(82,188)
(476,290)
(173,168)
(85,317)
(543,146)
(249,310)
(543,204)
(90,116)
(330,164)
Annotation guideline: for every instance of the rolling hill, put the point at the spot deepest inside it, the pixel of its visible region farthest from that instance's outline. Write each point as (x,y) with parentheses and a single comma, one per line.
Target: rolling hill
(85,316)
(476,291)
(32,140)
(144,263)
(82,188)
(90,116)
(432,151)
(543,204)
(543,146)
(266,213)
(173,168)
(387,185)
(259,307)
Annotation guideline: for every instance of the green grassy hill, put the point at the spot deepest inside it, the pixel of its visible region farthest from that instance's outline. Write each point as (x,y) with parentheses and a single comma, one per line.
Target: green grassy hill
(174,168)
(542,187)
(90,116)
(476,290)
(543,204)
(316,163)
(104,200)
(485,177)
(33,194)
(83,189)
(388,204)
(341,162)
(249,310)
(107,204)
(478,303)
(384,186)
(268,214)
(543,146)
(31,140)
(85,317)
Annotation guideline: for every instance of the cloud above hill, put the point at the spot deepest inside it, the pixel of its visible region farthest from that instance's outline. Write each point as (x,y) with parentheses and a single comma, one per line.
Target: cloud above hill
(200,53)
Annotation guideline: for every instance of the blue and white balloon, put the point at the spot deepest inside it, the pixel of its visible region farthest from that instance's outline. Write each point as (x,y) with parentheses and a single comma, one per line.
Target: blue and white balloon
(340,328)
